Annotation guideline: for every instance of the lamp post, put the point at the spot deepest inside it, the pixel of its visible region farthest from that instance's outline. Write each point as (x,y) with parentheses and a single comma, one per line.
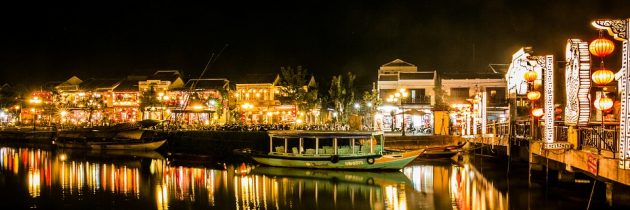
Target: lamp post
(34,101)
(400,96)
(246,107)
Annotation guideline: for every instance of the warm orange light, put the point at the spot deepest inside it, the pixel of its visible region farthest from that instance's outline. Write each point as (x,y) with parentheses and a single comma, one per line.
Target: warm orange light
(604,103)
(538,112)
(533,95)
(601,47)
(530,76)
(603,77)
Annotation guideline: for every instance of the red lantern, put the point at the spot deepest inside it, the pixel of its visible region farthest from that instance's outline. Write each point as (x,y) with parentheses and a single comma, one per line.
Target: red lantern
(533,95)
(603,76)
(558,110)
(530,76)
(601,47)
(538,112)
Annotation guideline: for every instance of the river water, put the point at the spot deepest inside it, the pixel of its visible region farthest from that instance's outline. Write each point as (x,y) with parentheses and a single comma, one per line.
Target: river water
(35,178)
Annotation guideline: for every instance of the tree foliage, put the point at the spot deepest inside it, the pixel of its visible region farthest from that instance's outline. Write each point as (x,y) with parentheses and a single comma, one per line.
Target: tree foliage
(342,95)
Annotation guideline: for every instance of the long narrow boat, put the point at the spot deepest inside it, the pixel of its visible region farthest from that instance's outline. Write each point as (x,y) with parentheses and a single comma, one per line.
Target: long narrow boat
(332,150)
(443,152)
(107,140)
(112,144)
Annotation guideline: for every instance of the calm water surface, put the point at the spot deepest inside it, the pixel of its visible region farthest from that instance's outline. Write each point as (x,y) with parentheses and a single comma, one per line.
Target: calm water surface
(74,179)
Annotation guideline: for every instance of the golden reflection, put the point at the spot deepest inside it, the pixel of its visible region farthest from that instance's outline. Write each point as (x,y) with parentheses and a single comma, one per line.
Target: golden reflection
(245,187)
(470,190)
(34,183)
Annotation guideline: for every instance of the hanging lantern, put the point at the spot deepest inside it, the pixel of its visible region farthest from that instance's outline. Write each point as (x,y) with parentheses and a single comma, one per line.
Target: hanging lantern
(533,95)
(601,47)
(530,76)
(604,103)
(538,112)
(603,76)
(558,110)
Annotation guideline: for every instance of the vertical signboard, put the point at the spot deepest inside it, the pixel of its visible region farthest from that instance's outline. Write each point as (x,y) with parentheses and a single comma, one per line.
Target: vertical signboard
(549,106)
(619,29)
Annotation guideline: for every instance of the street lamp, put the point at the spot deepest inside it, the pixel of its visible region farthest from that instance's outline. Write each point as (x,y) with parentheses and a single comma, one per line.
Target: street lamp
(400,95)
(34,101)
(246,107)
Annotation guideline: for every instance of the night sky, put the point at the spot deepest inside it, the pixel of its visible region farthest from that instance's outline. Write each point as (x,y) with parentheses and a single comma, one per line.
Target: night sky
(41,43)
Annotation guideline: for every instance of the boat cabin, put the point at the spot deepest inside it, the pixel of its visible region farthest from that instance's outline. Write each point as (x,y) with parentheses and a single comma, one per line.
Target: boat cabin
(320,143)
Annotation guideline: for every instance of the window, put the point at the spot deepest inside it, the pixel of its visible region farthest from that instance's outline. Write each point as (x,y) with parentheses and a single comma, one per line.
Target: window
(460,94)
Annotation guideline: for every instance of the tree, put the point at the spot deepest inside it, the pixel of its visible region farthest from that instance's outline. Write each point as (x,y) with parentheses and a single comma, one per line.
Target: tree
(295,87)
(441,96)
(341,93)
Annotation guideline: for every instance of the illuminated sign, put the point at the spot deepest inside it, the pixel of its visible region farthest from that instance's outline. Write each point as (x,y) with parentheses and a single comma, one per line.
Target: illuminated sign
(619,29)
(578,83)
(549,107)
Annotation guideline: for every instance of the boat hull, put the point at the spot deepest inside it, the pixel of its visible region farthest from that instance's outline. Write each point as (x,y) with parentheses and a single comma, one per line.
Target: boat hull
(118,145)
(438,155)
(386,162)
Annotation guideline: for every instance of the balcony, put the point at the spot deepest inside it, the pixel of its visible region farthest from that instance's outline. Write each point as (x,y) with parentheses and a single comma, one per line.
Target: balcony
(599,138)
(418,100)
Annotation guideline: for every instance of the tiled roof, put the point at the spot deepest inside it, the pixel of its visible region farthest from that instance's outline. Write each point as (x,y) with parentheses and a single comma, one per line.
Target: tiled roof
(398,62)
(127,86)
(93,83)
(165,75)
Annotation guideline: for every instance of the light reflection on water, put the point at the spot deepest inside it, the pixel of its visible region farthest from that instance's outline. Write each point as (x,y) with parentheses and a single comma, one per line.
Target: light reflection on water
(155,184)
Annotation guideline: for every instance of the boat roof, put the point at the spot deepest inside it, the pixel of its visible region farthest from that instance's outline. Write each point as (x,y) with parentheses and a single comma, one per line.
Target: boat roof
(323,134)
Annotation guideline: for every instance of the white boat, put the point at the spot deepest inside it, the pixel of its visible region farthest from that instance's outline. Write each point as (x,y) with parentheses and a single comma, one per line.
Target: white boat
(339,150)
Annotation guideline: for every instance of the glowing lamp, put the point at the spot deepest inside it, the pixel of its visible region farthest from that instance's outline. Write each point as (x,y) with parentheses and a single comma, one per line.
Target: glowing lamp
(603,77)
(533,95)
(601,47)
(604,103)
(530,76)
(538,112)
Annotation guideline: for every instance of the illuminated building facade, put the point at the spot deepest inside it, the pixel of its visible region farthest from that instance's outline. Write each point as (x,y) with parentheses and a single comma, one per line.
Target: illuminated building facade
(415,100)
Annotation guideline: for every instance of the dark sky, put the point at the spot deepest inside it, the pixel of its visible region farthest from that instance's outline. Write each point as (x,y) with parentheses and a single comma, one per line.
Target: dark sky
(42,43)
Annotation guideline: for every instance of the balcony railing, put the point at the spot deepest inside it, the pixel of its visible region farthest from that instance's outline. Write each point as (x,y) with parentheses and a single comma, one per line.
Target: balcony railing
(521,130)
(418,100)
(560,133)
(599,138)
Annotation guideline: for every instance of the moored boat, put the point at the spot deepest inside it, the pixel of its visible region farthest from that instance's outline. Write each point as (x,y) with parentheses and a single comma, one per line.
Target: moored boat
(112,144)
(443,152)
(332,150)
(131,139)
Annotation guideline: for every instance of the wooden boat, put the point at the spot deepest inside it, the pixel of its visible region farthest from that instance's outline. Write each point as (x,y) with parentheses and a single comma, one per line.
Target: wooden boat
(107,139)
(443,152)
(341,150)
(112,144)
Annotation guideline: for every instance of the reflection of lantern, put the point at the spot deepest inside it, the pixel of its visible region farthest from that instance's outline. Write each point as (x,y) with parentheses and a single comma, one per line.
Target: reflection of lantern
(601,47)
(533,95)
(537,112)
(530,76)
(604,103)
(603,76)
